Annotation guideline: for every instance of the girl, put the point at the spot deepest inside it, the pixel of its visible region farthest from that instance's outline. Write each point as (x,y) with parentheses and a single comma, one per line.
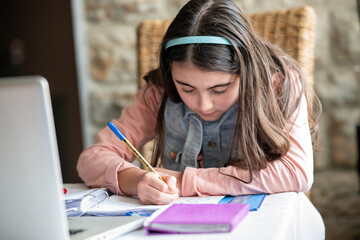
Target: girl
(228,112)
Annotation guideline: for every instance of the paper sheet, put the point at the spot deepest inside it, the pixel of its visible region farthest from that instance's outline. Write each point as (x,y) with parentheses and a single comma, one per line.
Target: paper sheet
(118,204)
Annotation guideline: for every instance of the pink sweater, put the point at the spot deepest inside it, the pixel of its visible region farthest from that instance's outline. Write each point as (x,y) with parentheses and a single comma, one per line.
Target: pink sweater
(100,163)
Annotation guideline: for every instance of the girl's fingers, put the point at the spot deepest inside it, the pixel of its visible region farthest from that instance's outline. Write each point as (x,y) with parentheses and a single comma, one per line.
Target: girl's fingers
(152,196)
(171,183)
(153,190)
(166,186)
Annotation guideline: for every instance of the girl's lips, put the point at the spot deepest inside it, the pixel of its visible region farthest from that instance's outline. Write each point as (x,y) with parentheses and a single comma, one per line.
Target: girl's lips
(207,114)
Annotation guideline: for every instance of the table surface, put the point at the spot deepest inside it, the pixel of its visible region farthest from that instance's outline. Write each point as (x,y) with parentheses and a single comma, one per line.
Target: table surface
(282,216)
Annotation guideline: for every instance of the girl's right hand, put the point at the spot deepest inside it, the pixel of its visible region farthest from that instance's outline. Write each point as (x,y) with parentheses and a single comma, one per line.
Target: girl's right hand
(152,190)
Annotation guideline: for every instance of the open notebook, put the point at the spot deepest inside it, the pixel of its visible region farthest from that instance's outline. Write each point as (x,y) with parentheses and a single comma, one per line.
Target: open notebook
(32,204)
(81,201)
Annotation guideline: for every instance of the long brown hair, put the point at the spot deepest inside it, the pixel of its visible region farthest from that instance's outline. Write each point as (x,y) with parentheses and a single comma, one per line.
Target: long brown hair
(261,134)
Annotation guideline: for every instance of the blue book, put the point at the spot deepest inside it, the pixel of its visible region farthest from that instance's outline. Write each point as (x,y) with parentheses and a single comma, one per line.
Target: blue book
(254,201)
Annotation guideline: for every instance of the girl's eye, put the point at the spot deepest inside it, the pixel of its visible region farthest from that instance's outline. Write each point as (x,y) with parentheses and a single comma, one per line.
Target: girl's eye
(220,91)
(188,90)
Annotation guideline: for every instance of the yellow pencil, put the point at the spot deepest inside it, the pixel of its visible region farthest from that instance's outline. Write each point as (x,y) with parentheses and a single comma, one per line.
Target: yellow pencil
(133,149)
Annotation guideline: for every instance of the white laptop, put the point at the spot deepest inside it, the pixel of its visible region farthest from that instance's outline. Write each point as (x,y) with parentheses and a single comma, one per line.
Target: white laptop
(31,201)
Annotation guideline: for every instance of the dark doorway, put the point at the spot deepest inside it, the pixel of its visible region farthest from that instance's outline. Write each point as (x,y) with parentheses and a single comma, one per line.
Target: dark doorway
(37,39)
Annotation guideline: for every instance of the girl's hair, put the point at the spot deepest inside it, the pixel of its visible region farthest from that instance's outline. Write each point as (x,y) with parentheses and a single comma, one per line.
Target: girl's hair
(261,134)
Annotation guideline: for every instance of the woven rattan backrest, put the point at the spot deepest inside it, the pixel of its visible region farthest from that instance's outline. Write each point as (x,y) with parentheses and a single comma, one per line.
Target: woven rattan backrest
(293,30)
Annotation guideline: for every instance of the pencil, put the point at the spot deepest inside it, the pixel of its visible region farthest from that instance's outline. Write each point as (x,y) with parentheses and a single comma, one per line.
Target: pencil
(133,149)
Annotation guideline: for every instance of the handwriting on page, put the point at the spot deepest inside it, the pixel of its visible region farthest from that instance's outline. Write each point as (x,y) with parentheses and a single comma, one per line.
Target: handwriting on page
(199,200)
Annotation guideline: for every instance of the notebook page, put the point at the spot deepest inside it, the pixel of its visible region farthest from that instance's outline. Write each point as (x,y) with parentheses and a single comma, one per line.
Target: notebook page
(117,204)
(76,191)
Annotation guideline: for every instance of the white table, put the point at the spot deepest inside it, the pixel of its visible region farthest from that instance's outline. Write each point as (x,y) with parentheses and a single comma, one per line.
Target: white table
(282,216)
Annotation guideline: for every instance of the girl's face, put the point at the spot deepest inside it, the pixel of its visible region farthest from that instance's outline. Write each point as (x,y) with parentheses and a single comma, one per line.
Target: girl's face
(208,94)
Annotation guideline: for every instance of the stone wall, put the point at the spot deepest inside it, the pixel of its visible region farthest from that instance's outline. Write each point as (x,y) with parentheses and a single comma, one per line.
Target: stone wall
(111,35)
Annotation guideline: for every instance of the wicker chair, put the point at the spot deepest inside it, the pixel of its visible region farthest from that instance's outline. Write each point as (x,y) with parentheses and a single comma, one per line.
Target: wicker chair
(293,30)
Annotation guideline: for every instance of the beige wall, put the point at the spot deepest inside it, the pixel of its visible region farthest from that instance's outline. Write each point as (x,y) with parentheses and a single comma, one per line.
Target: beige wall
(111,36)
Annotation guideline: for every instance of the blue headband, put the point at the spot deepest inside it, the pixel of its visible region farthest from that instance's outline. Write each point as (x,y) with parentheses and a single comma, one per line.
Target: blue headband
(197,39)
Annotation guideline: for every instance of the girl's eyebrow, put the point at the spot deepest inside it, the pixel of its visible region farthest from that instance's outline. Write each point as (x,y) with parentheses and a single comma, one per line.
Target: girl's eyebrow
(216,86)
(221,85)
(184,84)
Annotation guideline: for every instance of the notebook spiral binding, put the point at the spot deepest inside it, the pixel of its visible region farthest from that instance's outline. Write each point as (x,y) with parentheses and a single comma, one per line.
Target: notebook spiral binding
(79,207)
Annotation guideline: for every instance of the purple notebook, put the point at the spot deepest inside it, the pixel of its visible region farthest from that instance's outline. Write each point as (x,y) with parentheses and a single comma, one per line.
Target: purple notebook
(198,218)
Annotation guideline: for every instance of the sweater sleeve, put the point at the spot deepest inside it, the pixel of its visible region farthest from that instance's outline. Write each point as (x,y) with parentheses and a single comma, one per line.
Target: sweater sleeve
(293,172)
(100,163)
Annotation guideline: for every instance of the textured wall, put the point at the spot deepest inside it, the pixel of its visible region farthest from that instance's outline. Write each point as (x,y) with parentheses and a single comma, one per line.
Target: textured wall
(111,34)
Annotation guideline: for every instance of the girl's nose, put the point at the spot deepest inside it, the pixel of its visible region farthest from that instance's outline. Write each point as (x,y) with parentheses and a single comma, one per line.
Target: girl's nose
(205,103)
